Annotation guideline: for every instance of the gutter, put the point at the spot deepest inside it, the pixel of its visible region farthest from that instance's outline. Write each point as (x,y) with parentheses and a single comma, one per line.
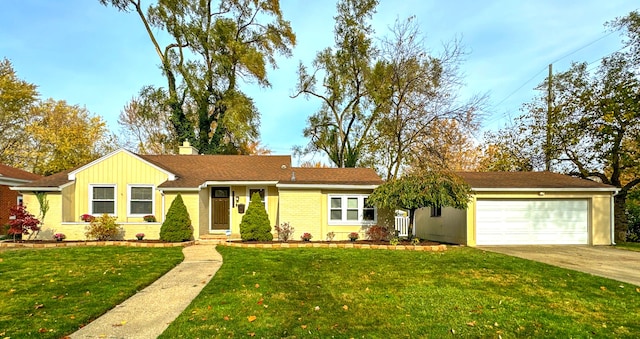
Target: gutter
(612,221)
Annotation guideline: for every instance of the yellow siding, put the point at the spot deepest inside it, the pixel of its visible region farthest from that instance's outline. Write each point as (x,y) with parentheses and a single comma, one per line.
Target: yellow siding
(121,169)
(450,227)
(69,204)
(303,210)
(307,211)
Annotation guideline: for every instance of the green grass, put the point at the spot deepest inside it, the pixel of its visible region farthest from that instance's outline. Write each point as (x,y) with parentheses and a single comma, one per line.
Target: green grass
(48,293)
(347,293)
(631,246)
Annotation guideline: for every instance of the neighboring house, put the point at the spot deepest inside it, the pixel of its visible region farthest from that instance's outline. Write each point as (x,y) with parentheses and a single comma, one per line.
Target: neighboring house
(516,208)
(215,188)
(9,177)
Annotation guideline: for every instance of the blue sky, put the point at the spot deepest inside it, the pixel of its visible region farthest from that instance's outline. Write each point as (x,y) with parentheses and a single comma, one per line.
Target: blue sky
(94,56)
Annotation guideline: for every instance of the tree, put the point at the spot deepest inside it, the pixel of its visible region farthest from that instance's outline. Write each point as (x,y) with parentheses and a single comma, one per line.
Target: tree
(16,98)
(213,47)
(146,123)
(23,222)
(177,224)
(64,136)
(414,93)
(418,190)
(255,225)
(447,147)
(595,122)
(341,127)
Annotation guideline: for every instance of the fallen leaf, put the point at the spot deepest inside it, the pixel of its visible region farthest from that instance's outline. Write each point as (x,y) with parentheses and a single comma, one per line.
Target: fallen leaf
(472,323)
(251,334)
(1,260)
(453,331)
(345,307)
(51,280)
(637,289)
(42,330)
(317,308)
(251,318)
(72,317)
(304,327)
(39,306)
(209,307)
(257,285)
(260,301)
(603,288)
(226,318)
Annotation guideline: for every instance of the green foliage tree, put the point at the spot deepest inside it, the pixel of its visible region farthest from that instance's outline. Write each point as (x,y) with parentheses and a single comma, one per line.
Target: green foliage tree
(594,125)
(255,225)
(341,127)
(103,228)
(418,190)
(177,224)
(213,46)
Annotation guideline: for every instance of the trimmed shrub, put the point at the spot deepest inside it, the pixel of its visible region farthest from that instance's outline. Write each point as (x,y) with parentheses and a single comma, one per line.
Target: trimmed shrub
(103,228)
(255,224)
(177,225)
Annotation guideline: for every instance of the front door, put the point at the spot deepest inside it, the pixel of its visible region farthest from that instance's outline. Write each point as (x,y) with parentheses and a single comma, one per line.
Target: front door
(219,208)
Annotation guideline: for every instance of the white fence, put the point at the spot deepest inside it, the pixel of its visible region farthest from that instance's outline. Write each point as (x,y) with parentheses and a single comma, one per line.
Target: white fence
(402,226)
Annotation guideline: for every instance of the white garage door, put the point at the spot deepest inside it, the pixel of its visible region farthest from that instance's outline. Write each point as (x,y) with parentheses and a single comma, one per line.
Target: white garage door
(532,222)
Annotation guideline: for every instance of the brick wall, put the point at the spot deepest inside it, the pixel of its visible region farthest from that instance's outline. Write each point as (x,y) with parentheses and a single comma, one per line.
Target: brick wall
(8,199)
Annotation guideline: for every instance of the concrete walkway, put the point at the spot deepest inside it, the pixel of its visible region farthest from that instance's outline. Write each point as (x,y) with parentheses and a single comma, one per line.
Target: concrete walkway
(604,261)
(149,312)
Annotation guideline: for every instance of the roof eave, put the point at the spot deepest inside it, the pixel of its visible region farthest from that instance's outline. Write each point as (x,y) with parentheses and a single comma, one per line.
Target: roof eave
(36,189)
(328,186)
(546,189)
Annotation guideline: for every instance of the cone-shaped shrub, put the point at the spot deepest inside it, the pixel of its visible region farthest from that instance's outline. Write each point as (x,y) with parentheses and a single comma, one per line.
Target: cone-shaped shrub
(177,225)
(255,223)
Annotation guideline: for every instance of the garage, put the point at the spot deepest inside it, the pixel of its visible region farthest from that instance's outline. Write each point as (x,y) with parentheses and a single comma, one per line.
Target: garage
(532,221)
(525,208)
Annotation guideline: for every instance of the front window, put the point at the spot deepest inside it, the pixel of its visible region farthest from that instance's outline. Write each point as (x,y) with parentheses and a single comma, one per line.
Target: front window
(350,210)
(103,199)
(436,211)
(140,200)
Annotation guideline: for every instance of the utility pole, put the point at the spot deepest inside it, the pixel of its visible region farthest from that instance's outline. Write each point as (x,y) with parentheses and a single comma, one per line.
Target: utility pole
(547,148)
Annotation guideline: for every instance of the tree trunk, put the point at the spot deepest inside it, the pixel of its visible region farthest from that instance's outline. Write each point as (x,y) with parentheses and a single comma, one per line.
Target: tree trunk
(621,222)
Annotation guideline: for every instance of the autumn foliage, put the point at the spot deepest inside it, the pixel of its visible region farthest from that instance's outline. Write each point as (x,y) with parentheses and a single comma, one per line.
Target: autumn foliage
(22,222)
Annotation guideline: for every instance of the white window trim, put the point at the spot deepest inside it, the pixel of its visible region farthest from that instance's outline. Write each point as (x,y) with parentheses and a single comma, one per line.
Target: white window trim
(115,198)
(345,222)
(266,196)
(153,200)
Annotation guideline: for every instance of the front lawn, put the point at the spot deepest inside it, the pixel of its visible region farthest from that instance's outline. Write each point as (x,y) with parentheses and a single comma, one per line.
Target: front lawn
(48,293)
(309,292)
(631,246)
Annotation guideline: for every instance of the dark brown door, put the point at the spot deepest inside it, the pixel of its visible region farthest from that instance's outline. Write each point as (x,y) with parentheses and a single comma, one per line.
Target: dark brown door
(219,208)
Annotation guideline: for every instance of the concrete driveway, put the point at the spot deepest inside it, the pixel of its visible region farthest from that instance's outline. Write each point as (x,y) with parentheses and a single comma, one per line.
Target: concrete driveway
(604,261)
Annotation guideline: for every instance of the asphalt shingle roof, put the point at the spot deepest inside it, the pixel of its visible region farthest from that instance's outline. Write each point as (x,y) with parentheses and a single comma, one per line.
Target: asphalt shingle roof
(14,173)
(523,180)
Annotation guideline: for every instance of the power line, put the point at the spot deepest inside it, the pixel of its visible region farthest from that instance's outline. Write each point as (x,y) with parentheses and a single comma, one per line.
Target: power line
(554,61)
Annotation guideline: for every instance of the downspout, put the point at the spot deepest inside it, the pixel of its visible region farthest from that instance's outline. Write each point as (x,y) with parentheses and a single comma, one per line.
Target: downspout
(163,202)
(612,221)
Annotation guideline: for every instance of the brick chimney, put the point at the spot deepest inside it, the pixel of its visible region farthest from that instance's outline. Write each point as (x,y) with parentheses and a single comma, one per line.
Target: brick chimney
(187,149)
